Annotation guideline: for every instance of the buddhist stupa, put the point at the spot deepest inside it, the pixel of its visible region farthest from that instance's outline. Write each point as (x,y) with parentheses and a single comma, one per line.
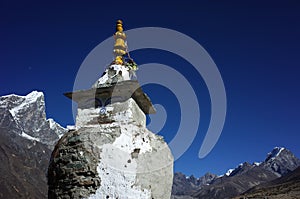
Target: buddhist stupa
(111,153)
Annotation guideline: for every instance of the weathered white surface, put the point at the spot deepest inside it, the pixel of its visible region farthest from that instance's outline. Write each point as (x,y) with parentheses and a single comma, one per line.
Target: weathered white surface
(114,73)
(136,164)
(118,171)
(121,112)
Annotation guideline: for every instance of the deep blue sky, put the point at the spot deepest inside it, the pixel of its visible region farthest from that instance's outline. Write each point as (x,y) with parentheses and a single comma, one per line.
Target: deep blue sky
(255,45)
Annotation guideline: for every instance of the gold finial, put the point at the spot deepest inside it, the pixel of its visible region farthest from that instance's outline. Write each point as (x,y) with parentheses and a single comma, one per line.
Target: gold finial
(119,26)
(121,53)
(120,47)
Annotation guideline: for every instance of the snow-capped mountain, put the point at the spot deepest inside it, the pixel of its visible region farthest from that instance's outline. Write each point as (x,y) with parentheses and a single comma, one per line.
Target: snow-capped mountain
(25,116)
(278,162)
(281,161)
(274,153)
(26,141)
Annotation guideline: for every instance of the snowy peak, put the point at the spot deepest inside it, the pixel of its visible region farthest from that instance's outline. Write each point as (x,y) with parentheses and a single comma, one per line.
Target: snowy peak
(26,117)
(229,172)
(56,128)
(257,163)
(235,181)
(241,168)
(29,98)
(281,161)
(274,153)
(15,103)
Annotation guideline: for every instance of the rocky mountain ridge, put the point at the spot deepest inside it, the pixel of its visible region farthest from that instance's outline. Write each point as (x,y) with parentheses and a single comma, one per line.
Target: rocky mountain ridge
(287,186)
(279,162)
(27,138)
(184,185)
(25,116)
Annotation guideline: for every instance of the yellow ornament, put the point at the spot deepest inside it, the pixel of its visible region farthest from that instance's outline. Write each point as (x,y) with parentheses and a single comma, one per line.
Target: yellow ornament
(119,60)
(119,26)
(120,46)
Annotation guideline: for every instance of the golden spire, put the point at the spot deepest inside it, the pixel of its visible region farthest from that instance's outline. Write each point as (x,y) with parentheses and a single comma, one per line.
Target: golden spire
(120,47)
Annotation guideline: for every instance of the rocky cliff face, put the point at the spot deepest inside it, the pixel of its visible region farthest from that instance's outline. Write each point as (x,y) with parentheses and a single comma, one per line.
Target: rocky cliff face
(23,167)
(186,185)
(26,137)
(25,116)
(281,161)
(111,155)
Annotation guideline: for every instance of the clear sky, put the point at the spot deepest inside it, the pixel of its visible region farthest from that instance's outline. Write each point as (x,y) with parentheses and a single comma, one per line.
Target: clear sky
(255,45)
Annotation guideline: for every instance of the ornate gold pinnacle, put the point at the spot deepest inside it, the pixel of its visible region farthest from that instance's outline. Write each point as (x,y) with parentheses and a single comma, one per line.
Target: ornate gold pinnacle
(120,47)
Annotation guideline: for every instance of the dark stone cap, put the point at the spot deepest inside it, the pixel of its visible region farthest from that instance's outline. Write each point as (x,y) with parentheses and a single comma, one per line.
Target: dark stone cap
(118,92)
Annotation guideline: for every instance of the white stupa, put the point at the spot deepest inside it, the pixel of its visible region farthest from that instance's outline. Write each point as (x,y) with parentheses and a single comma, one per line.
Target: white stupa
(112,154)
